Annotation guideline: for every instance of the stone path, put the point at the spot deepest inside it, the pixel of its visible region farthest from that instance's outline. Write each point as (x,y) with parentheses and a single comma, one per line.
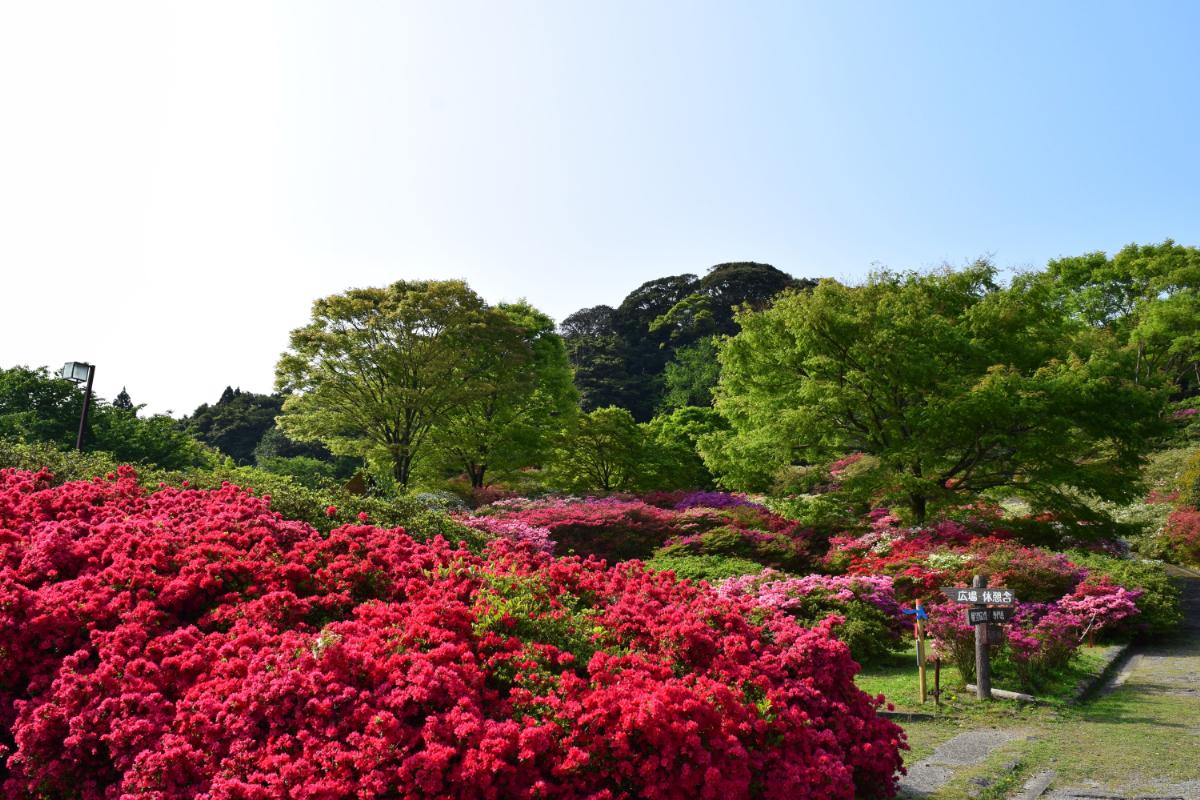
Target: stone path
(1173,669)
(967,749)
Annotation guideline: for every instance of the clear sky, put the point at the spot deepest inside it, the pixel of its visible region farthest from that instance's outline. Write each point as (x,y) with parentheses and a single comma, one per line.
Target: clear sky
(178,182)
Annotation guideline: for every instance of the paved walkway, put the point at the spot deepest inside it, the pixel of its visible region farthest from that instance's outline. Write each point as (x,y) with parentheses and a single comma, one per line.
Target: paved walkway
(928,775)
(1168,670)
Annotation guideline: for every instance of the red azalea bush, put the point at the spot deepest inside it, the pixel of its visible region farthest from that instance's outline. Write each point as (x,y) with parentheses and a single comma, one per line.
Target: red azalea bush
(188,643)
(1182,535)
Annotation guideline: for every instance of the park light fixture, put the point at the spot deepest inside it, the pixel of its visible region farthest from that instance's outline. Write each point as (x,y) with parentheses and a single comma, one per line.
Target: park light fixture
(80,371)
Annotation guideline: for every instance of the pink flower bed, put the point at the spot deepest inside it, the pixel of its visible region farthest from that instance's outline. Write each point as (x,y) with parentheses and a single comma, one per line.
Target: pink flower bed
(193,643)
(612,528)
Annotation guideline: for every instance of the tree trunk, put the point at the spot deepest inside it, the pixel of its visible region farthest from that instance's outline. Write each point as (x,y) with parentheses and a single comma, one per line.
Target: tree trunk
(916,503)
(401,467)
(475,473)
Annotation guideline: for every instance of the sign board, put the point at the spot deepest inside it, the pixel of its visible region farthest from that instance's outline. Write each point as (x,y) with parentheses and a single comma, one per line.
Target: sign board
(989,596)
(985,616)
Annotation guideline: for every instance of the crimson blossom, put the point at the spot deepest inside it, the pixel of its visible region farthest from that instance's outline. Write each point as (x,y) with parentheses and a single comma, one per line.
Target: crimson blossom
(187,643)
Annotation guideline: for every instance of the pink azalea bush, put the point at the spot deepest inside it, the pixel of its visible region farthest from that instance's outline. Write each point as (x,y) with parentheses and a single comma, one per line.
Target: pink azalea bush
(1041,638)
(612,528)
(188,643)
(867,616)
(515,530)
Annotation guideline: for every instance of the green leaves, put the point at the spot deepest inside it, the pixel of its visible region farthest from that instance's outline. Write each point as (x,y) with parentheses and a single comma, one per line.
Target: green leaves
(378,369)
(956,385)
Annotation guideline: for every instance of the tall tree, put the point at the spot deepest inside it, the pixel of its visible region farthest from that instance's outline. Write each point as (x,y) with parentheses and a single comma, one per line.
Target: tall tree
(956,385)
(598,354)
(526,397)
(123,401)
(1148,296)
(377,369)
(603,451)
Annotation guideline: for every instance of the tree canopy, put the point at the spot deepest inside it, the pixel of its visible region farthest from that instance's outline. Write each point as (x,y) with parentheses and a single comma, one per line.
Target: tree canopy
(956,385)
(525,398)
(621,355)
(378,371)
(1148,297)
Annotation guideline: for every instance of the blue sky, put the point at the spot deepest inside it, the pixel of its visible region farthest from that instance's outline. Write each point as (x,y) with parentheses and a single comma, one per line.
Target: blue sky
(202,172)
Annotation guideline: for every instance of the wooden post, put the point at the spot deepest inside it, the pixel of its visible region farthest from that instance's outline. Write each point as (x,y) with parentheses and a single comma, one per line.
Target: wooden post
(922,681)
(937,681)
(983,666)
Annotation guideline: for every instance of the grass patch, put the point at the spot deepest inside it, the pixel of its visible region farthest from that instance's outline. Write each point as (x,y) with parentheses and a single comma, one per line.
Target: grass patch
(1136,733)
(896,679)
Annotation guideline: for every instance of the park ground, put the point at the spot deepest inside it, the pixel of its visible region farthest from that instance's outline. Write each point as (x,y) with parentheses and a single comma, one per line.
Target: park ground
(1138,736)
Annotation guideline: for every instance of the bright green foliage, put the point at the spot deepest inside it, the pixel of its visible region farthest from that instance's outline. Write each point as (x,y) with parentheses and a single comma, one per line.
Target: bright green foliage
(37,407)
(526,399)
(146,440)
(670,459)
(603,451)
(1188,481)
(956,385)
(1149,297)
(377,370)
(304,470)
(711,567)
(690,377)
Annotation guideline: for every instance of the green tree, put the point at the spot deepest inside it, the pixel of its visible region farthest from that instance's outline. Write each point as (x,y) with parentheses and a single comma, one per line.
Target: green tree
(1148,296)
(123,401)
(378,369)
(601,452)
(692,375)
(156,439)
(598,355)
(526,397)
(956,385)
(236,423)
(671,459)
(36,407)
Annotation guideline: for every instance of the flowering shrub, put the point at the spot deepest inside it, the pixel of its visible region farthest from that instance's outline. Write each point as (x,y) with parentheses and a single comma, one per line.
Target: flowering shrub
(714,500)
(514,530)
(869,618)
(194,643)
(1041,638)
(953,639)
(1182,535)
(921,560)
(610,528)
(1100,605)
(1157,600)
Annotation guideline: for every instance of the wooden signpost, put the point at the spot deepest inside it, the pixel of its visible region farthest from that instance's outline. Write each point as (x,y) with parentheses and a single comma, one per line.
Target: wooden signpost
(988,605)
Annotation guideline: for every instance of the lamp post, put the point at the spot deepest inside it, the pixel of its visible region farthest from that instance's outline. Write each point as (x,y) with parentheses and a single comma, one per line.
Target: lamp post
(79,371)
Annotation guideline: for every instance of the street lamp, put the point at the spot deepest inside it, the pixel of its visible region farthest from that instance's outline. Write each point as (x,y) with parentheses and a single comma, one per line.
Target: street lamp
(79,371)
